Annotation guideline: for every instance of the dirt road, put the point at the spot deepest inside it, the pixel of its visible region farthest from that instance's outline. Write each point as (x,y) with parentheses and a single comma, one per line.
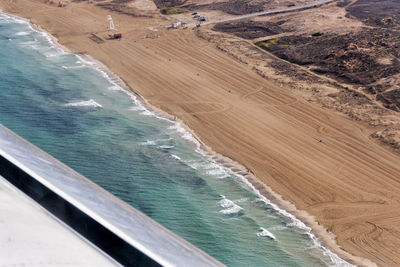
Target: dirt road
(348,183)
(270,12)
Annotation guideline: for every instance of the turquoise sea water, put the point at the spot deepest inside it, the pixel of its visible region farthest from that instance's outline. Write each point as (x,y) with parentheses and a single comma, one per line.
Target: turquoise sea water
(72,109)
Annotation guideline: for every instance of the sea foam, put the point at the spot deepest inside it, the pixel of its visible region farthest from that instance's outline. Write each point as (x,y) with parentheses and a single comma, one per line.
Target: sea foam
(29,42)
(295,222)
(155,142)
(22,33)
(176,157)
(265,233)
(165,147)
(229,207)
(136,108)
(73,67)
(89,103)
(188,136)
(115,88)
(146,113)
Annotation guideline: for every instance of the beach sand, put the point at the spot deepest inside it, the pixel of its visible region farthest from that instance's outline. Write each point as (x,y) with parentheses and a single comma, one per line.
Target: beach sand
(347,184)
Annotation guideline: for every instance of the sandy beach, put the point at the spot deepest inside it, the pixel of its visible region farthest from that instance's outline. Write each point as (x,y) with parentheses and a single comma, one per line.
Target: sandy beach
(317,164)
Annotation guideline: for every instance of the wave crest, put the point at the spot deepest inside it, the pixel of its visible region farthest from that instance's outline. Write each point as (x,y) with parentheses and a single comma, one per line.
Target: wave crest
(265,233)
(89,103)
(22,33)
(229,207)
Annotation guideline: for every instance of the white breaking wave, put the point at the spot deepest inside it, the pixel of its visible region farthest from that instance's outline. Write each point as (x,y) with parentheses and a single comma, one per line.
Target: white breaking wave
(81,59)
(49,40)
(13,19)
(166,147)
(195,164)
(298,224)
(54,54)
(118,83)
(232,210)
(219,173)
(149,143)
(226,203)
(210,168)
(22,33)
(184,133)
(155,142)
(175,157)
(241,200)
(58,50)
(229,207)
(146,113)
(115,88)
(74,67)
(29,42)
(188,136)
(89,103)
(265,233)
(137,108)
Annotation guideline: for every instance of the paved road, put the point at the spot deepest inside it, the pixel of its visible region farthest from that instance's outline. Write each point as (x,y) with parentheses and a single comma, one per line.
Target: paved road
(273,11)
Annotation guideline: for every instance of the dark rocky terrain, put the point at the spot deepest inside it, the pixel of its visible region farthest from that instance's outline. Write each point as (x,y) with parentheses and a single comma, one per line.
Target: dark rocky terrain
(390,99)
(368,58)
(233,7)
(250,29)
(377,13)
(352,57)
(168,3)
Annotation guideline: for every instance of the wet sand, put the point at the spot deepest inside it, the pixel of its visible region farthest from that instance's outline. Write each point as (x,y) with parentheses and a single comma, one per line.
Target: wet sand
(347,183)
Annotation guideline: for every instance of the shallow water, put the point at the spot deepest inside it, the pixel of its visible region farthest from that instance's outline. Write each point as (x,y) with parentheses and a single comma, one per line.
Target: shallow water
(73,110)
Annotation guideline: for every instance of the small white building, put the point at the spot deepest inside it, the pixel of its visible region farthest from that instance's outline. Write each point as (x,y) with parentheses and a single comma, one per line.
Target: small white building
(176,25)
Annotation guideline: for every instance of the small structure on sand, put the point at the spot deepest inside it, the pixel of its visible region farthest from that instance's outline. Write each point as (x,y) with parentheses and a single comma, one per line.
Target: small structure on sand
(112,32)
(178,25)
(96,38)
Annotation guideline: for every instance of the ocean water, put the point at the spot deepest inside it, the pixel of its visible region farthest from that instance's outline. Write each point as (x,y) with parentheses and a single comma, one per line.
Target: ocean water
(79,113)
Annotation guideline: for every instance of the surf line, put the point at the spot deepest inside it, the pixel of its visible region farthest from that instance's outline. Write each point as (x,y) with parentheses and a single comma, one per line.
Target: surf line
(186,133)
(227,164)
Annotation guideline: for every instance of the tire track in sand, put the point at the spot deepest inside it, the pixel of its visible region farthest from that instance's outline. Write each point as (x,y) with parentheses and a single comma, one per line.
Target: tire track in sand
(274,98)
(224,107)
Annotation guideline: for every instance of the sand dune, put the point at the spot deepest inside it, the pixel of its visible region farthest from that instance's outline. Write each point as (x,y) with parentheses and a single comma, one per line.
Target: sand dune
(350,184)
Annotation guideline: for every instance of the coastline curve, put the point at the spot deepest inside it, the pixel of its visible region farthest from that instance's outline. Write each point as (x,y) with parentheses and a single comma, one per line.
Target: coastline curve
(204,150)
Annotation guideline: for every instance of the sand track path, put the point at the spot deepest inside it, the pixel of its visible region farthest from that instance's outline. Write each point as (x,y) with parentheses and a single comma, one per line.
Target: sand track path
(191,106)
(267,98)
(348,183)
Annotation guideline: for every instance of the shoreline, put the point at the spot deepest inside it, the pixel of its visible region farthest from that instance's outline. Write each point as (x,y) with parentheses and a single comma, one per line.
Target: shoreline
(301,219)
(328,239)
